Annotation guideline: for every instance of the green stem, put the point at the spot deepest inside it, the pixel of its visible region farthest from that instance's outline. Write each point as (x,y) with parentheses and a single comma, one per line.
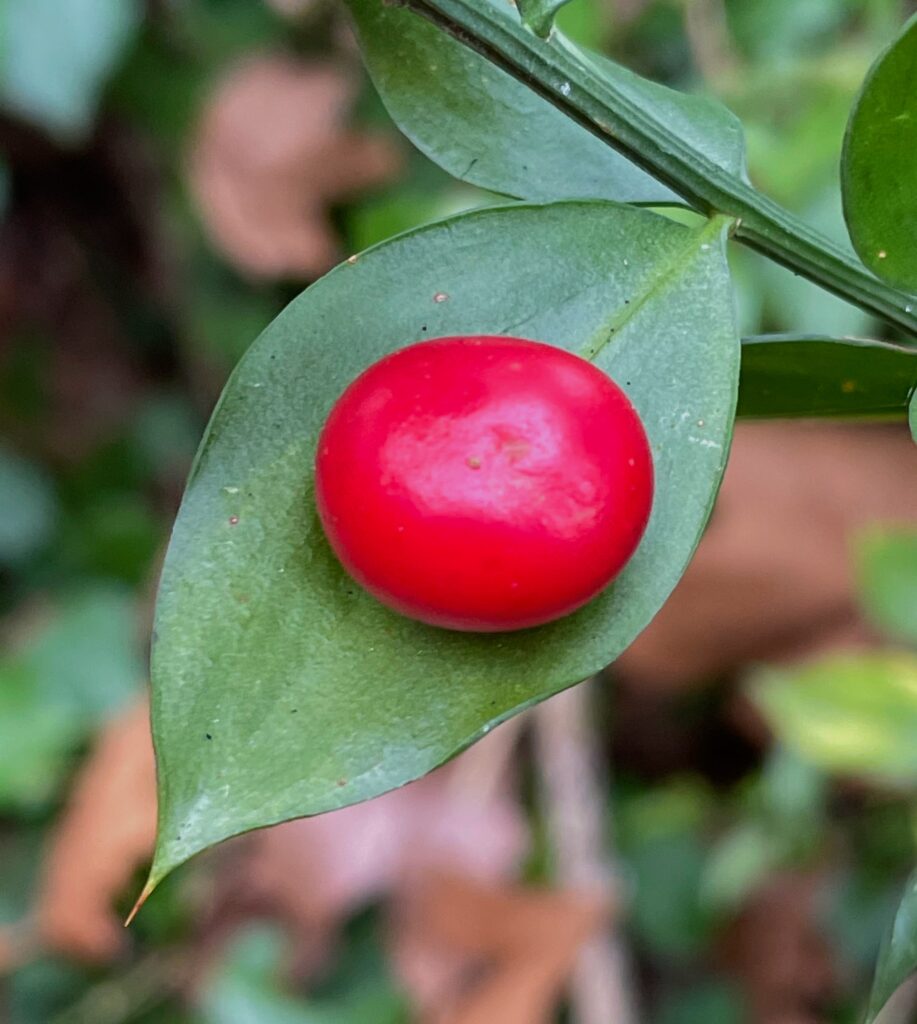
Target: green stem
(556,73)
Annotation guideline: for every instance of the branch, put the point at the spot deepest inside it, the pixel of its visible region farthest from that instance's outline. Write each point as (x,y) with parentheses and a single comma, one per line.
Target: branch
(554,71)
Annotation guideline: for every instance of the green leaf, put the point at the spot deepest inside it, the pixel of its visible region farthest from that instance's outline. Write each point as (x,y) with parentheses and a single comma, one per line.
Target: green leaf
(280,687)
(246,990)
(774,32)
(898,956)
(538,15)
(28,508)
(58,55)
(703,1002)
(878,169)
(888,580)
(75,671)
(738,863)
(482,125)
(661,833)
(780,823)
(87,658)
(852,714)
(912,416)
(36,737)
(789,375)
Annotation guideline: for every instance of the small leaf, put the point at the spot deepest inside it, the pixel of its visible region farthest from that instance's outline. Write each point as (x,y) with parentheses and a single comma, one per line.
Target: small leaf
(75,672)
(878,168)
(281,688)
(538,15)
(789,375)
(58,55)
(28,508)
(247,990)
(738,864)
(898,956)
(888,580)
(853,714)
(481,125)
(36,737)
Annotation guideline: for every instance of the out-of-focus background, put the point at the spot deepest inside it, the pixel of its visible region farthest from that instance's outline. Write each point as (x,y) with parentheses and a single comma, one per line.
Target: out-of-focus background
(716,832)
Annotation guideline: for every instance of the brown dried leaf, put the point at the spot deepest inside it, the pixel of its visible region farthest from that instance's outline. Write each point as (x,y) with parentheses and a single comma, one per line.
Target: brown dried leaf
(775,949)
(472,953)
(271,153)
(772,576)
(106,832)
(317,871)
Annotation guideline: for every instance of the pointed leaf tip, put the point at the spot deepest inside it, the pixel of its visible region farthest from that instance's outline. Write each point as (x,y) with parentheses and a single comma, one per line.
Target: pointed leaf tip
(145,894)
(538,15)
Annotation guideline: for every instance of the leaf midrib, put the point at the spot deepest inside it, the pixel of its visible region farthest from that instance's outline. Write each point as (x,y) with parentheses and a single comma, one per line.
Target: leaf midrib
(655,284)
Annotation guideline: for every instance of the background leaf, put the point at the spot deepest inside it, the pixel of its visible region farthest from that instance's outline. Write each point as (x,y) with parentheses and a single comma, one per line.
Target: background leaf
(247,989)
(854,714)
(483,126)
(28,508)
(57,55)
(888,580)
(898,956)
(280,687)
(79,669)
(878,170)
(790,375)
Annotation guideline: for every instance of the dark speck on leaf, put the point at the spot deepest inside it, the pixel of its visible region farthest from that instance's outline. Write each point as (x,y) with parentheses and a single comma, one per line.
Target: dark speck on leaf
(342,782)
(207,734)
(293,711)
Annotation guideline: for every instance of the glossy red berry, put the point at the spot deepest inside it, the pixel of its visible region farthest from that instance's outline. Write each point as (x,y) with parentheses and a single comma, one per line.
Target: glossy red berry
(483,483)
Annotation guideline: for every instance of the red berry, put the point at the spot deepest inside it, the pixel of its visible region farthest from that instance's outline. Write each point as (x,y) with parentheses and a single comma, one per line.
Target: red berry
(483,483)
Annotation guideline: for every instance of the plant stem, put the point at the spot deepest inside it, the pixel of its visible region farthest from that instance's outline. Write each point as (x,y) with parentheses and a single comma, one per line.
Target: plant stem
(575,798)
(557,72)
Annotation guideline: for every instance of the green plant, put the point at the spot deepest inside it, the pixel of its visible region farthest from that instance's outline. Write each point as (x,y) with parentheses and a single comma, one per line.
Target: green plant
(282,690)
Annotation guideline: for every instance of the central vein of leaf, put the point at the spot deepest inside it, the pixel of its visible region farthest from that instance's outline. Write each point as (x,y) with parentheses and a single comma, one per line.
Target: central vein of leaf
(661,277)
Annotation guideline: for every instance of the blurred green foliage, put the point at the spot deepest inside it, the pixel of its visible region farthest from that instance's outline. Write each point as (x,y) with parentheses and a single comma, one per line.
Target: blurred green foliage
(57,56)
(853,714)
(28,508)
(78,666)
(888,580)
(248,989)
